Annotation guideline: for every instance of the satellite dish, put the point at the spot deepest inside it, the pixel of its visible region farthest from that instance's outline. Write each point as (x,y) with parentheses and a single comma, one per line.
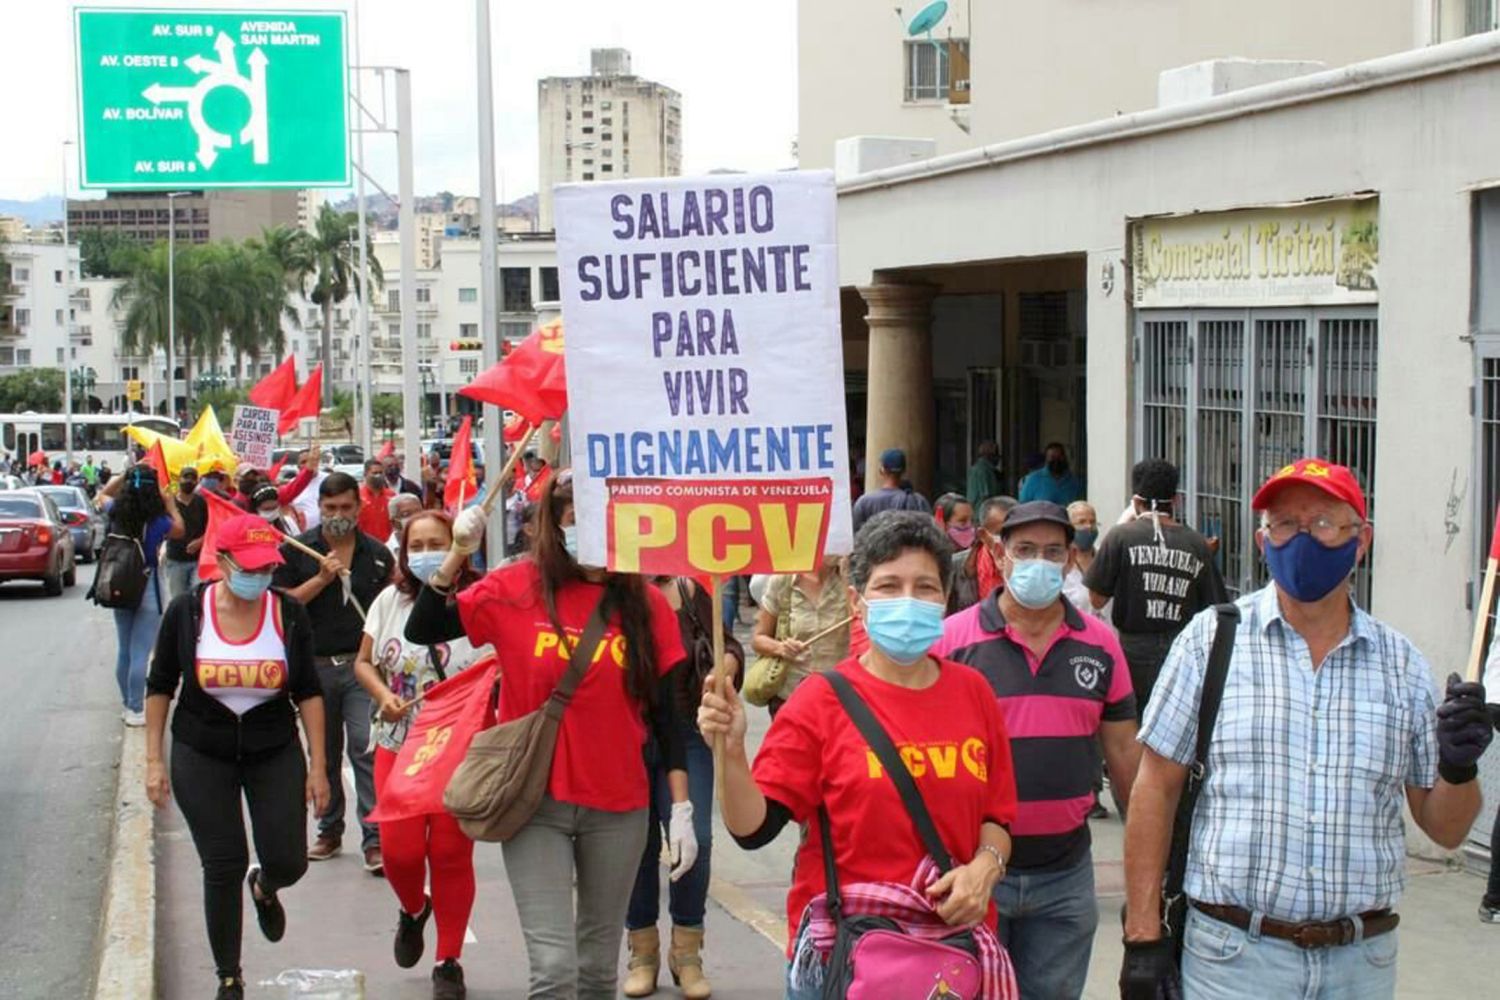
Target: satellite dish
(927,18)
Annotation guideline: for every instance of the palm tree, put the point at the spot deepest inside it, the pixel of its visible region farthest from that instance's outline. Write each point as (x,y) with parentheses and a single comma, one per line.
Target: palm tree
(335,273)
(144,300)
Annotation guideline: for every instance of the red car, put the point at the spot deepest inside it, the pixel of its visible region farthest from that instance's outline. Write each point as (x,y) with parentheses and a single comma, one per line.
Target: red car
(34,542)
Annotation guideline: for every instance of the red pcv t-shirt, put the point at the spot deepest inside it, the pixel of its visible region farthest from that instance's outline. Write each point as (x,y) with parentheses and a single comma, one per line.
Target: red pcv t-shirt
(953,740)
(598,761)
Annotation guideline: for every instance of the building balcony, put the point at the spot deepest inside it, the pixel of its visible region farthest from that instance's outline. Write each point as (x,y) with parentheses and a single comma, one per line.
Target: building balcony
(80,296)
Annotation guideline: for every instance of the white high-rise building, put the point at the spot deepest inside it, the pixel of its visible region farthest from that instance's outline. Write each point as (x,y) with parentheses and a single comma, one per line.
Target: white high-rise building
(605,126)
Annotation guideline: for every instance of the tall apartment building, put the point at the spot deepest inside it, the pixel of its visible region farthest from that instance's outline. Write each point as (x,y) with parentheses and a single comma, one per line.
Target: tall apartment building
(606,126)
(202,216)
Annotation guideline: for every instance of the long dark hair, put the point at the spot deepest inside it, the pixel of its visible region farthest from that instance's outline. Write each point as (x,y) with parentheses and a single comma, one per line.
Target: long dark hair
(624,593)
(408,584)
(138,504)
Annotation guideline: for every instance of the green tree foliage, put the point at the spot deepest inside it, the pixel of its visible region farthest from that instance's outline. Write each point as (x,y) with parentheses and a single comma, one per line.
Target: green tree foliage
(37,389)
(334,272)
(107,253)
(223,401)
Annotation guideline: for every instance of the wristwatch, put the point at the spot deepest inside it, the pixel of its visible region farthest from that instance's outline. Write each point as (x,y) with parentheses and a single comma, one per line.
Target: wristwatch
(995,851)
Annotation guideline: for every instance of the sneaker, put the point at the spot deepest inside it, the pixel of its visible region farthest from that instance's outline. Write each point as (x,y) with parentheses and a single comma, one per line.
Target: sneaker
(268,911)
(409,940)
(448,981)
(326,846)
(1489,911)
(374,863)
(133,720)
(1097,811)
(231,988)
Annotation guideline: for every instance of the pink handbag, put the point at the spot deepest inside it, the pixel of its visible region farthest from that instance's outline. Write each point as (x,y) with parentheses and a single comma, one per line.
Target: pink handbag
(889,965)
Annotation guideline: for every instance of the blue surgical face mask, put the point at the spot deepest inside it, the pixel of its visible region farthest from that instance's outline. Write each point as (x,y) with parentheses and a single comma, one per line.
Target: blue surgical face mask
(424,564)
(1084,539)
(1035,583)
(248,586)
(1307,570)
(570,540)
(904,628)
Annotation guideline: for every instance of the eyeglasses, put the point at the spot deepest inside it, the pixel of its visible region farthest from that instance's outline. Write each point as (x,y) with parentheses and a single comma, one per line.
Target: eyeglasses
(1024,551)
(1324,529)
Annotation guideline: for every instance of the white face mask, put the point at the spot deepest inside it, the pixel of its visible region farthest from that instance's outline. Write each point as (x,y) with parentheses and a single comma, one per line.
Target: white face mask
(269,515)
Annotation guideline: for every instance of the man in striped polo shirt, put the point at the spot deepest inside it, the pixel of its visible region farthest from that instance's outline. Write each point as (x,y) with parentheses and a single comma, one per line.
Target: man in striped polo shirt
(1063,686)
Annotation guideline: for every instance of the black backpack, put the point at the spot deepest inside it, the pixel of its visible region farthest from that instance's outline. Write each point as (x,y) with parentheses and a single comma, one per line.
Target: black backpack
(120,578)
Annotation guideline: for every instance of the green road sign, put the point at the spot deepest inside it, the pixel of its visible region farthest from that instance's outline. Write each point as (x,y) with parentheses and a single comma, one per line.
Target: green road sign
(212,98)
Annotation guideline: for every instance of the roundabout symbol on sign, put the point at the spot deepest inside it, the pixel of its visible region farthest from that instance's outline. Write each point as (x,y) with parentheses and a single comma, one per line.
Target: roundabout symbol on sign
(224,72)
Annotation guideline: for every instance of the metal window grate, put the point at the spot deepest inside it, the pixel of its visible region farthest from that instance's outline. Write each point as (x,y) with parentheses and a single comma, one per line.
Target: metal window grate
(1280,428)
(1347,353)
(1165,369)
(1219,470)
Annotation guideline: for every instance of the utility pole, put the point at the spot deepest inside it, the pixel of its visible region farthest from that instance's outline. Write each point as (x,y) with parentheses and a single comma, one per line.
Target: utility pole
(172,197)
(67,318)
(362,348)
(411,410)
(489,325)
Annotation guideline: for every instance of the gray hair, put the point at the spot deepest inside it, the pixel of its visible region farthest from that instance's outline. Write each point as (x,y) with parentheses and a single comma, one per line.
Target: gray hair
(888,534)
(1006,504)
(394,503)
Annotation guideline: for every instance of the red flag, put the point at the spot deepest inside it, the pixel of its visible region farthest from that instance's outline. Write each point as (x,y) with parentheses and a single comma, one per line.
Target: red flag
(386,450)
(308,402)
(515,429)
(219,511)
(158,461)
(530,380)
(556,434)
(461,467)
(275,470)
(277,390)
(452,712)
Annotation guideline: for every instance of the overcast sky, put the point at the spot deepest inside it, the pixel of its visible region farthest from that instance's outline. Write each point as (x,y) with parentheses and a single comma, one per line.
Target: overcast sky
(734,63)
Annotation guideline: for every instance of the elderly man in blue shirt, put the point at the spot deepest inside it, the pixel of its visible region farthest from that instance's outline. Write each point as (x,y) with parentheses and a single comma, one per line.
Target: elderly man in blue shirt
(1327,727)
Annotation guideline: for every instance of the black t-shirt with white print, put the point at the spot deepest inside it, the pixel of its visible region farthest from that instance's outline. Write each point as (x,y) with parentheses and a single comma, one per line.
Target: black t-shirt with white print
(1157,588)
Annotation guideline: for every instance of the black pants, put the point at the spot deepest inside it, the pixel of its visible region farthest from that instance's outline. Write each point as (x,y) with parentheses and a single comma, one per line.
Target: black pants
(1492,892)
(208,793)
(1145,653)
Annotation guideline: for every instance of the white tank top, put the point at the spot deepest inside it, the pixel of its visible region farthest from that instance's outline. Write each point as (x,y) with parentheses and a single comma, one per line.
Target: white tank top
(241,675)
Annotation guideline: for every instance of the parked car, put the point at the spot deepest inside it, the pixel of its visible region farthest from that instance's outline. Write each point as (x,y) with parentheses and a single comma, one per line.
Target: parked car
(84,522)
(34,543)
(11,483)
(444,448)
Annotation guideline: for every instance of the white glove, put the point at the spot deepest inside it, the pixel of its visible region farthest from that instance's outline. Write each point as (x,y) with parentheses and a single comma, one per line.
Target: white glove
(682,841)
(468,529)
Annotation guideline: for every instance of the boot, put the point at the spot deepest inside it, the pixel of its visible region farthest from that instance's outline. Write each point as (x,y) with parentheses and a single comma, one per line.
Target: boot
(686,964)
(645,962)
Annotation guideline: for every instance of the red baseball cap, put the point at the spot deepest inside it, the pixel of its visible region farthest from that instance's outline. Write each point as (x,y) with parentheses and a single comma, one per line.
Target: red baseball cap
(252,543)
(1335,480)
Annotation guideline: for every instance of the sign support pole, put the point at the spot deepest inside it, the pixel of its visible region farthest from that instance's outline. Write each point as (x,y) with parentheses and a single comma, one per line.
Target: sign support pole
(489,325)
(411,409)
(718,678)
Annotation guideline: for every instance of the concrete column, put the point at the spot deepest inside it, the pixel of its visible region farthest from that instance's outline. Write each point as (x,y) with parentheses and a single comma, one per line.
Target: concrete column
(900,408)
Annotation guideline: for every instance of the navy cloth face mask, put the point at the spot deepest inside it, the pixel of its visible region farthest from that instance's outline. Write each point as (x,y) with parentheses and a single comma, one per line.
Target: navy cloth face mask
(1309,570)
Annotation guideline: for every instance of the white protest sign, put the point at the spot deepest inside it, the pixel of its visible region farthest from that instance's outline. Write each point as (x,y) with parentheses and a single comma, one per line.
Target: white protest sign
(253,435)
(705,372)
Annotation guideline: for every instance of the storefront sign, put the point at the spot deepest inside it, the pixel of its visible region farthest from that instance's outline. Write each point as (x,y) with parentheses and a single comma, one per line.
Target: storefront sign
(1321,253)
(705,373)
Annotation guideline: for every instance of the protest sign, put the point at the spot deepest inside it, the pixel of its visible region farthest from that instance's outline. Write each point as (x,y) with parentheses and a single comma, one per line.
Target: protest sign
(705,373)
(253,435)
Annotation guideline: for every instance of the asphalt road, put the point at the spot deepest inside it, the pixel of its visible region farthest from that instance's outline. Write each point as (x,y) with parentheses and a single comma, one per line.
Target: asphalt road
(59,744)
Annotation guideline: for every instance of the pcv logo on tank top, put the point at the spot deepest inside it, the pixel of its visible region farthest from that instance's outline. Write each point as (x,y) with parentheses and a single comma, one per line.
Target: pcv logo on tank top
(241,675)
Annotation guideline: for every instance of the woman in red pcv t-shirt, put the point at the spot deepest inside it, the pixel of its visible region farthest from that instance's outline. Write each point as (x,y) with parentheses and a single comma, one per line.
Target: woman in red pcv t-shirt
(942,717)
(592,824)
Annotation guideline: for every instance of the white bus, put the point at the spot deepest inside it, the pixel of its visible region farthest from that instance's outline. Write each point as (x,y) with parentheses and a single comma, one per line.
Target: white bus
(99,434)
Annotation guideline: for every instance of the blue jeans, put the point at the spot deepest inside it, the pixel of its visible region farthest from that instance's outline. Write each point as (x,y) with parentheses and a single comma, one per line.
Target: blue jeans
(689,894)
(346,726)
(135,632)
(1222,961)
(177,577)
(1047,923)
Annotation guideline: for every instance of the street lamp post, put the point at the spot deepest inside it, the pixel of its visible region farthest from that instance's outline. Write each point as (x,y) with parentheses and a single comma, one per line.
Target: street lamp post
(67,318)
(172,196)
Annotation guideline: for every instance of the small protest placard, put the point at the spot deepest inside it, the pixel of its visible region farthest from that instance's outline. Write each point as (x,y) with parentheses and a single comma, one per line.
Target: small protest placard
(253,435)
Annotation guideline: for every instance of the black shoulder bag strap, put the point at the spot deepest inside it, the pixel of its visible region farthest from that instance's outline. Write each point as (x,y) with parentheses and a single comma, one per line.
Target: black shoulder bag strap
(1174,903)
(578,663)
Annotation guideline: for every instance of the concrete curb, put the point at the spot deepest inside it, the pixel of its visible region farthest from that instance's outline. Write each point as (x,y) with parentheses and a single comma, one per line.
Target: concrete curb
(740,905)
(127,934)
